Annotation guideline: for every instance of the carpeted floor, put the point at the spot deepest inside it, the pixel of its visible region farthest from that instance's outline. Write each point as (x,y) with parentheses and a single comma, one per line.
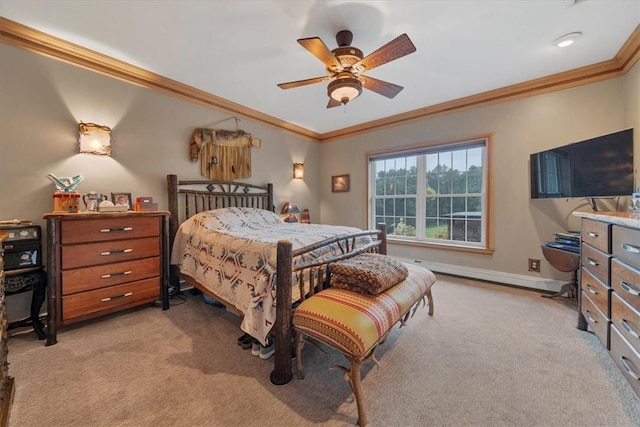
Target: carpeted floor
(490,356)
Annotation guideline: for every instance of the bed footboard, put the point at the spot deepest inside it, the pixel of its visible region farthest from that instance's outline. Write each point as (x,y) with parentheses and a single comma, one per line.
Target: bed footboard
(314,275)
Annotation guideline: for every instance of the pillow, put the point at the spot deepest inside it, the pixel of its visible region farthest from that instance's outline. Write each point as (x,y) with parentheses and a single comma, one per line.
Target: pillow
(367,273)
(237,218)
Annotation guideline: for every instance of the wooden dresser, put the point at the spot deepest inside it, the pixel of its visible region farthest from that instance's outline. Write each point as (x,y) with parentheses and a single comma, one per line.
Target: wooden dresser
(99,263)
(610,287)
(6,382)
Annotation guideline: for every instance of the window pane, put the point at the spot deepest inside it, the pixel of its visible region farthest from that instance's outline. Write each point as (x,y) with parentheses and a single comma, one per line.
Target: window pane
(474,230)
(390,186)
(412,184)
(473,204)
(379,207)
(401,188)
(399,207)
(432,207)
(458,204)
(411,207)
(388,207)
(444,183)
(474,180)
(459,160)
(444,206)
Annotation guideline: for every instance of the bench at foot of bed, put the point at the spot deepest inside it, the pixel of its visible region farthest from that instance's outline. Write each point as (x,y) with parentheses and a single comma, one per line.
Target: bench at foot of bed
(354,324)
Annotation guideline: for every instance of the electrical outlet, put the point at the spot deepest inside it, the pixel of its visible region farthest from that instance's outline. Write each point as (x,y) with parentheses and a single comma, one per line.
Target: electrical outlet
(534,265)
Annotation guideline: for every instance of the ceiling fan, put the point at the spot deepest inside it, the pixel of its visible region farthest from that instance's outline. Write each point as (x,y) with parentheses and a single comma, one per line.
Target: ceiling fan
(346,65)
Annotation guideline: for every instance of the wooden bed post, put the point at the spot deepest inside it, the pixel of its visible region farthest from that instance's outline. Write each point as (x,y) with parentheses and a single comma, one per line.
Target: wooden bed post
(172,192)
(383,238)
(282,365)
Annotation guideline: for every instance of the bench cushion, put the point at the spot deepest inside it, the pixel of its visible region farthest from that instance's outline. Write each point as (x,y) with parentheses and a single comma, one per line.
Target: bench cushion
(367,273)
(353,323)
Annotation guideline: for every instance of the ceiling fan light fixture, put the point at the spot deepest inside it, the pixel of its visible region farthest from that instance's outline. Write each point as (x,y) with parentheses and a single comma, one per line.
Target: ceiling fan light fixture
(344,89)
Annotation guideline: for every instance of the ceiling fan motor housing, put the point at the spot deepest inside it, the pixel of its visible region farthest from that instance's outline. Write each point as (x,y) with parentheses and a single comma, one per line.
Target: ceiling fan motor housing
(347,55)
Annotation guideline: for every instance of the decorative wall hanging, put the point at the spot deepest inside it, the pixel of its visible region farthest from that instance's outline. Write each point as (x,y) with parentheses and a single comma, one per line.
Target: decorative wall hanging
(225,155)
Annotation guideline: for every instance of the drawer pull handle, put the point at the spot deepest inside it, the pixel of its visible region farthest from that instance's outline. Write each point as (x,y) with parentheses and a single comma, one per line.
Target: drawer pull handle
(110,275)
(116,297)
(628,289)
(590,318)
(116,230)
(590,289)
(590,261)
(124,251)
(628,328)
(625,365)
(592,234)
(630,248)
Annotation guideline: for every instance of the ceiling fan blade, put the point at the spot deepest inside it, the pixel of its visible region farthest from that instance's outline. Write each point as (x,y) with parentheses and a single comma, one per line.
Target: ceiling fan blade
(305,82)
(396,48)
(333,103)
(381,87)
(322,52)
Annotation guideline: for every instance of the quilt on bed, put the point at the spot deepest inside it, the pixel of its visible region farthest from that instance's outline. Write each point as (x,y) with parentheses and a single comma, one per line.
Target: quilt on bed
(233,253)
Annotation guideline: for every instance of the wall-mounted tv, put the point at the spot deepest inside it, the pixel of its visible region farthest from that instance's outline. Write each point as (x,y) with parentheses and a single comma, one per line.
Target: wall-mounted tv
(596,167)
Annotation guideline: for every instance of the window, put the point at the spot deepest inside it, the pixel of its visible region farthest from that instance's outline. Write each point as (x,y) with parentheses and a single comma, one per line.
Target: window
(435,194)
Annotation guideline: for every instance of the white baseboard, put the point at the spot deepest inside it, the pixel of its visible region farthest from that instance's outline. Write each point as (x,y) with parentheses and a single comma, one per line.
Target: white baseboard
(489,275)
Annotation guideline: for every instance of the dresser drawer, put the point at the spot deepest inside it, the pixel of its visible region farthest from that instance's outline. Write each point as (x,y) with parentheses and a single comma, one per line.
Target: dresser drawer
(627,245)
(99,230)
(88,278)
(597,262)
(75,256)
(626,319)
(626,282)
(597,321)
(627,359)
(113,297)
(597,291)
(596,234)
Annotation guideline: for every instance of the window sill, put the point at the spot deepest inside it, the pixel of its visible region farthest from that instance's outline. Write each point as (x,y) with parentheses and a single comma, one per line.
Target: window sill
(441,246)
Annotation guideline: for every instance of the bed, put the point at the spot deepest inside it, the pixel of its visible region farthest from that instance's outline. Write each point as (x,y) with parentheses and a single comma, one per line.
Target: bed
(227,242)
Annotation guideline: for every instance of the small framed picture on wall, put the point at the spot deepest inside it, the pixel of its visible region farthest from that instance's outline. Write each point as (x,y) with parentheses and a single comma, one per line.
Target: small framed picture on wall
(122,199)
(340,183)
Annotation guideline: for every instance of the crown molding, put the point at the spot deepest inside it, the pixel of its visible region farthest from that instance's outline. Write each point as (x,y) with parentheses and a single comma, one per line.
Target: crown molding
(18,35)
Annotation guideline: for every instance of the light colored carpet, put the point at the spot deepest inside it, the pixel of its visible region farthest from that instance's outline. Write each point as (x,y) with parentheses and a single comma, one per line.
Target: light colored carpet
(490,356)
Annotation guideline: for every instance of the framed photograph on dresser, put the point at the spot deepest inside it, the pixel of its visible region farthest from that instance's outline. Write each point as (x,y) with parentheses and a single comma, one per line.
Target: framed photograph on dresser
(122,199)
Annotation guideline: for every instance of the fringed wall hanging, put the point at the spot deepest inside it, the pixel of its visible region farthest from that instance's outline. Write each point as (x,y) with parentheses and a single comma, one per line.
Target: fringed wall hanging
(225,155)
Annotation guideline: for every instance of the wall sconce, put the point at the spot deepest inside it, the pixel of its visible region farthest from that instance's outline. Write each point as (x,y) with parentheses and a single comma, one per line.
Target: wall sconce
(298,170)
(95,139)
(291,210)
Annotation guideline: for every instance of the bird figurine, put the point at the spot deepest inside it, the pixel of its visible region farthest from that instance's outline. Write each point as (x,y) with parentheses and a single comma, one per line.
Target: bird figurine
(66,183)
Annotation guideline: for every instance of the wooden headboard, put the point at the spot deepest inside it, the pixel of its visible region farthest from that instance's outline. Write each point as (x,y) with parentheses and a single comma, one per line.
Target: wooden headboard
(202,195)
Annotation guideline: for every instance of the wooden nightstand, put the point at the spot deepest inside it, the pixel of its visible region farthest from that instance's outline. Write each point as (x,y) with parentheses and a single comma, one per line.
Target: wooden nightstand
(99,263)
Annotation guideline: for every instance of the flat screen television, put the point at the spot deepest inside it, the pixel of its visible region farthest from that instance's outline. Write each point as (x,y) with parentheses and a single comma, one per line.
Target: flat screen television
(596,167)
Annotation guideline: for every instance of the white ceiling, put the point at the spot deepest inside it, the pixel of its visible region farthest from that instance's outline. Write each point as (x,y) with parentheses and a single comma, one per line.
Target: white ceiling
(240,50)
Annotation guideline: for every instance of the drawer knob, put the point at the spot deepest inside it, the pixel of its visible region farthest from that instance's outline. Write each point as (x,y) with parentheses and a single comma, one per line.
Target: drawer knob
(590,261)
(628,328)
(113,298)
(110,275)
(123,251)
(116,230)
(592,234)
(628,289)
(630,248)
(625,365)
(589,317)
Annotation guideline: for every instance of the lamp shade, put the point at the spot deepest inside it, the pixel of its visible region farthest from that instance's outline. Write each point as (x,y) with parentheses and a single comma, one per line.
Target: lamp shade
(298,170)
(290,208)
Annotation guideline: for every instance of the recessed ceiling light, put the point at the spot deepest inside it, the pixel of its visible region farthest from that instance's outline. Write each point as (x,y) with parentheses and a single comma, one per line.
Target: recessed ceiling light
(567,39)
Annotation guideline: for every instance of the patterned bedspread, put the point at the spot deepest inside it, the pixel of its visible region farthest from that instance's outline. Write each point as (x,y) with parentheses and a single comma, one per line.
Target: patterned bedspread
(233,251)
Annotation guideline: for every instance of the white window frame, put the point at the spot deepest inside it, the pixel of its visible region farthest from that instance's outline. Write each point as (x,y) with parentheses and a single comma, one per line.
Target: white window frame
(484,246)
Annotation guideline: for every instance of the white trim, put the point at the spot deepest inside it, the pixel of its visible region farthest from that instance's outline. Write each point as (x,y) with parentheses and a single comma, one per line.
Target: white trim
(519,280)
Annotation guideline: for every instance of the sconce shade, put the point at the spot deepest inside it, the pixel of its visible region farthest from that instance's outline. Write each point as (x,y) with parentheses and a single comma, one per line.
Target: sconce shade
(95,139)
(298,170)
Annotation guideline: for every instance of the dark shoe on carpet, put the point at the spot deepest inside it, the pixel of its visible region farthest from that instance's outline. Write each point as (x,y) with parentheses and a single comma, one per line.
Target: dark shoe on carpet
(245,341)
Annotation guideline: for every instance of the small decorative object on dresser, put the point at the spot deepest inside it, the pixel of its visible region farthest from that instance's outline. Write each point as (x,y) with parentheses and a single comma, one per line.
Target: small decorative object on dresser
(122,199)
(99,264)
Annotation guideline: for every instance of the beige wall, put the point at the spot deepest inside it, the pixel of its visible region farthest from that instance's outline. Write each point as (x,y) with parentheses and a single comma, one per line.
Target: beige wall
(518,128)
(631,89)
(42,100)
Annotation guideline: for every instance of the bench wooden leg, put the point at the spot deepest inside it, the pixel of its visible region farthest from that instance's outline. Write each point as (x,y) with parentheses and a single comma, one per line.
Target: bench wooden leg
(299,344)
(430,301)
(355,381)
